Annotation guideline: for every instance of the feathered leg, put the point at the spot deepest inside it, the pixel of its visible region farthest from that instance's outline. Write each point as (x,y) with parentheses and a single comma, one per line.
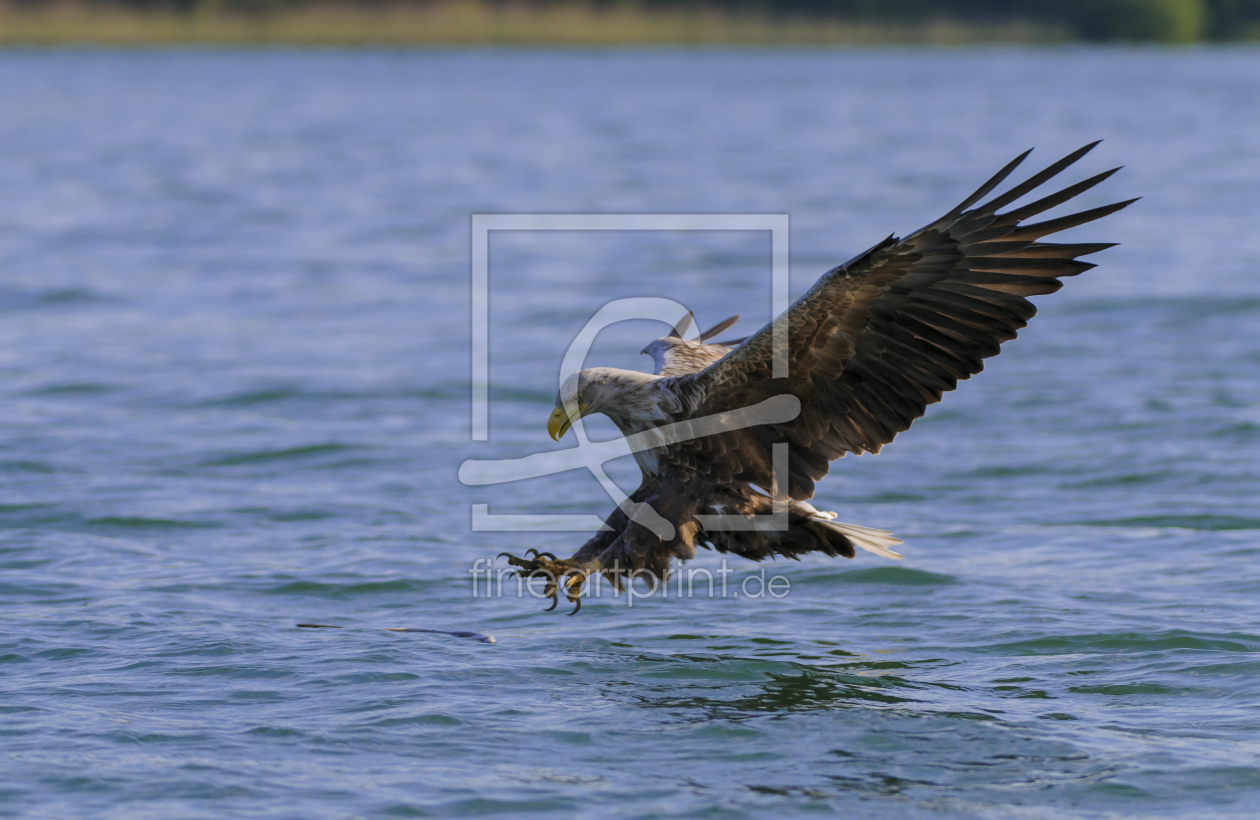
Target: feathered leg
(571,573)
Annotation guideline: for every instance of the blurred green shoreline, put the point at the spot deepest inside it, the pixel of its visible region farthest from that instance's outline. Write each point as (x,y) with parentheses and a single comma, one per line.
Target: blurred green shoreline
(473,22)
(619,22)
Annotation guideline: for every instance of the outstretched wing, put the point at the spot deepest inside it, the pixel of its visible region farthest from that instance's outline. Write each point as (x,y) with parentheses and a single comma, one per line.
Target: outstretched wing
(676,356)
(878,339)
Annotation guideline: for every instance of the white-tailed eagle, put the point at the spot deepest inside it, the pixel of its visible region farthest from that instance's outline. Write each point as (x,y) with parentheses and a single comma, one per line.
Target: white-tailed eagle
(869,347)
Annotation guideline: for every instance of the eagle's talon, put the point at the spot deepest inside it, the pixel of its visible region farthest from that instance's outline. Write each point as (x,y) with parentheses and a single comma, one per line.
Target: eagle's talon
(558,573)
(525,565)
(573,589)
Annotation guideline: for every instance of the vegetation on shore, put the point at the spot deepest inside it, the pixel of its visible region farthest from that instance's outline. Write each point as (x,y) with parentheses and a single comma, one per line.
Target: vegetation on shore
(460,22)
(620,22)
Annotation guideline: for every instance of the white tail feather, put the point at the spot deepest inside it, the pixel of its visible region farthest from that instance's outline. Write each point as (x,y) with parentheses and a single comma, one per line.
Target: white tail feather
(869,539)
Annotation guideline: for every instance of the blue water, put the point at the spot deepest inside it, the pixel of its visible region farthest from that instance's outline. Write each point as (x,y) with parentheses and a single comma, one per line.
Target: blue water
(234,373)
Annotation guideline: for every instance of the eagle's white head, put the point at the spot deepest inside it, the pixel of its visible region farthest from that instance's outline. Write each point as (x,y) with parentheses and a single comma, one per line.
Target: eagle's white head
(625,396)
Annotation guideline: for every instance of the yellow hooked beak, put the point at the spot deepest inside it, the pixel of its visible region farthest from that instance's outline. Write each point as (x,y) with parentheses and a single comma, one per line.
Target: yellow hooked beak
(559,423)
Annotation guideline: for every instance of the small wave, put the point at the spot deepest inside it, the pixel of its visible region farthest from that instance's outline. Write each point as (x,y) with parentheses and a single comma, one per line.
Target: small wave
(1123,642)
(21,299)
(1247,430)
(73,389)
(70,296)
(327,590)
(773,692)
(1119,689)
(1203,523)
(21,466)
(250,398)
(1002,471)
(1207,306)
(262,456)
(893,498)
(275,395)
(136,522)
(416,720)
(1126,480)
(275,731)
(299,515)
(894,576)
(1185,306)
(146,738)
(5,509)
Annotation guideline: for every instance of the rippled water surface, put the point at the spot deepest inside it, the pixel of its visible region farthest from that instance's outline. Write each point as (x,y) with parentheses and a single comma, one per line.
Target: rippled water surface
(234,364)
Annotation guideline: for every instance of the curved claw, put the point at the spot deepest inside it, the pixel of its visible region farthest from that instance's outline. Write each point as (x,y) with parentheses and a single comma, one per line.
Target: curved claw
(555,599)
(577,604)
(508,554)
(548,556)
(535,552)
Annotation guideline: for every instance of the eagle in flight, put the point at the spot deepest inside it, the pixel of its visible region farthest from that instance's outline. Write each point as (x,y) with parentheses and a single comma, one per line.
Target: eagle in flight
(730,450)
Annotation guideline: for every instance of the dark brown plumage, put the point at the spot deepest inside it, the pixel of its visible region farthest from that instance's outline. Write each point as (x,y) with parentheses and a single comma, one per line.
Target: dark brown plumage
(871,345)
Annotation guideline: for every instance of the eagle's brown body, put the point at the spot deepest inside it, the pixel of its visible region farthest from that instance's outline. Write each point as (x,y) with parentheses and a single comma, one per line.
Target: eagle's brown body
(869,347)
